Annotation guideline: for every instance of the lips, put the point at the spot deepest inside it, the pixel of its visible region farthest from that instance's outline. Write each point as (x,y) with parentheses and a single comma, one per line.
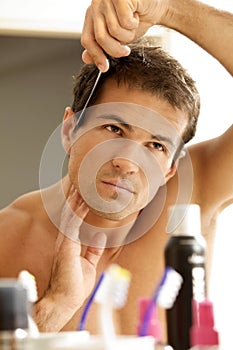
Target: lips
(120,185)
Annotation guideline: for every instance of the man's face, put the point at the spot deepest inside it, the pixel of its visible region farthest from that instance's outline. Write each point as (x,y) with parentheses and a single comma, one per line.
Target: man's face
(122,153)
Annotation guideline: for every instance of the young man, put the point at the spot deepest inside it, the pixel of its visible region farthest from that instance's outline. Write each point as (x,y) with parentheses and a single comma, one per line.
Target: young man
(123,157)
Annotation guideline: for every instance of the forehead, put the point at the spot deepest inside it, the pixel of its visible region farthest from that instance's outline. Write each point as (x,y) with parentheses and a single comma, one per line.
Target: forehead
(111,91)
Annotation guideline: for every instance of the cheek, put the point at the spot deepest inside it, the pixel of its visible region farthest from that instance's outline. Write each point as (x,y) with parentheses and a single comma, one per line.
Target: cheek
(144,189)
(78,154)
(151,180)
(74,163)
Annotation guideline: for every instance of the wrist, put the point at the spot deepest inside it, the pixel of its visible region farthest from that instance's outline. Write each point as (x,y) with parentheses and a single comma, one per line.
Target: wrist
(180,14)
(52,313)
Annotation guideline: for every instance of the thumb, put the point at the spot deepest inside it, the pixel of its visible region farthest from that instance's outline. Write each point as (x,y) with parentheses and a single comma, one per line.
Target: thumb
(96,248)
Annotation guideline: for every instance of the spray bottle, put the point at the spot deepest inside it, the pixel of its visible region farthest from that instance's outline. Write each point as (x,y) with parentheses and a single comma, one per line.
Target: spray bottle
(185,252)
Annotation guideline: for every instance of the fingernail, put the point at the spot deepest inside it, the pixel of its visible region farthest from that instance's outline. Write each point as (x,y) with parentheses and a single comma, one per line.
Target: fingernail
(99,240)
(103,67)
(126,50)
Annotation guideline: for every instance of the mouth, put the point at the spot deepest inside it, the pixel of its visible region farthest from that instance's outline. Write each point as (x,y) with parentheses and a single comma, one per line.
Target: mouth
(120,185)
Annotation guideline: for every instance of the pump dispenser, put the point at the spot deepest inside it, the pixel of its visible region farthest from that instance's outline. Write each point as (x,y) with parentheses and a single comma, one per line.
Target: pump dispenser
(185,252)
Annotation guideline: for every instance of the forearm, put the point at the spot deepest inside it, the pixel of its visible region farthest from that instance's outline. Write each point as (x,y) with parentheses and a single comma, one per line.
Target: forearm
(210,28)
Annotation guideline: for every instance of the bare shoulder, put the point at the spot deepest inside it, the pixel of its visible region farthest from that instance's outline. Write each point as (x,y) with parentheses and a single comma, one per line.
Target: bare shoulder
(19,214)
(16,221)
(212,162)
(13,217)
(204,151)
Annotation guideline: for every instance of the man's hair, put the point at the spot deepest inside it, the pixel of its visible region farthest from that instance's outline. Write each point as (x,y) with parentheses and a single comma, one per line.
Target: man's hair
(150,69)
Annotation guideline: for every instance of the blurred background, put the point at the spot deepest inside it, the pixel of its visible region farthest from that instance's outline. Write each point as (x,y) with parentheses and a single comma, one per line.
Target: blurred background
(40,52)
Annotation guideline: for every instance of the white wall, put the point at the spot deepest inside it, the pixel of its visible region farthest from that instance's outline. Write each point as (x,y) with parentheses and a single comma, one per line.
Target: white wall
(43,17)
(216,90)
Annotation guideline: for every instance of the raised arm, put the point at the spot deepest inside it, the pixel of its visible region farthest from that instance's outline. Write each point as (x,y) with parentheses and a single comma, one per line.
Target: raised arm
(111,24)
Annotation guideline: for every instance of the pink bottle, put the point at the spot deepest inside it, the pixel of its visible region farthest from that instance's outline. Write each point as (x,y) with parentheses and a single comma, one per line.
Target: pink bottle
(202,331)
(153,327)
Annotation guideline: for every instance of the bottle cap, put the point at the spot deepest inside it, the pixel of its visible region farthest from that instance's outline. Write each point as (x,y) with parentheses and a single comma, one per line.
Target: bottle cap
(184,220)
(13,305)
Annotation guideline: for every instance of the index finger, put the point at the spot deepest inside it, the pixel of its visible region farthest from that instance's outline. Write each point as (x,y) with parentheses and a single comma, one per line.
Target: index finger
(97,40)
(73,214)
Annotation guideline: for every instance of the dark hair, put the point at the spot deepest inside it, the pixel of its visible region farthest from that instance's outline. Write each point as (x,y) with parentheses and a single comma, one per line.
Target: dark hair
(148,68)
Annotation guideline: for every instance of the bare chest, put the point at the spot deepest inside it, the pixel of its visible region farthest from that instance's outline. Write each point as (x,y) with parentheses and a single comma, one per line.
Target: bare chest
(144,259)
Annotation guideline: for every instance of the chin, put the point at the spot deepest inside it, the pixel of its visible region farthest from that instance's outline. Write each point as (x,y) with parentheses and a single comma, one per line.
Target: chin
(117,216)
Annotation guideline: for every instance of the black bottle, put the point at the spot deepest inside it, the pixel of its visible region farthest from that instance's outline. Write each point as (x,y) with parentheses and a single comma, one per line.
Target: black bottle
(185,252)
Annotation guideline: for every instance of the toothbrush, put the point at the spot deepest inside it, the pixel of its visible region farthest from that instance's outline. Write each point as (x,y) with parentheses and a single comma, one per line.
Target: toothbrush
(84,315)
(28,281)
(164,296)
(110,293)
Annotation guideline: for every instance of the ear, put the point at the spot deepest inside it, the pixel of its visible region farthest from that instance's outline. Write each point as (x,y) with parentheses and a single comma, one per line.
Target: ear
(67,129)
(173,169)
(171,172)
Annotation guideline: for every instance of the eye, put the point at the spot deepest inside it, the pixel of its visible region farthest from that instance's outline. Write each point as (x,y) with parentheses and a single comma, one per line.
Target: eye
(157,146)
(114,128)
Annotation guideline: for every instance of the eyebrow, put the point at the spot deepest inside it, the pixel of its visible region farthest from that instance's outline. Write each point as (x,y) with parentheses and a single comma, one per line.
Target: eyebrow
(129,127)
(117,119)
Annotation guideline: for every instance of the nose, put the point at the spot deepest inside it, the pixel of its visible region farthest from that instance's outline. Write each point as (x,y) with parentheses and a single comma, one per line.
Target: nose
(126,166)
